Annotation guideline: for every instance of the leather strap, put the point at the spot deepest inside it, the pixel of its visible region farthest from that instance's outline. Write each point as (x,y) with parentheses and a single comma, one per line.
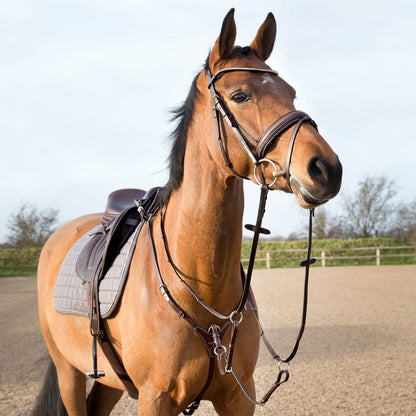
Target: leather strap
(257,231)
(130,218)
(270,135)
(117,366)
(214,77)
(277,128)
(172,303)
(204,335)
(194,406)
(283,373)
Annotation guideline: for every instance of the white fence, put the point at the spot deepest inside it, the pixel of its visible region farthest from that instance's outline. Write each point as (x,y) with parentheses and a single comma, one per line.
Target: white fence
(376,253)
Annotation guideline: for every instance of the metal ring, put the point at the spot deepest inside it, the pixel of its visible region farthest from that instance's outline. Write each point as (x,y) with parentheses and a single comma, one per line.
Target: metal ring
(258,164)
(221,348)
(231,317)
(285,369)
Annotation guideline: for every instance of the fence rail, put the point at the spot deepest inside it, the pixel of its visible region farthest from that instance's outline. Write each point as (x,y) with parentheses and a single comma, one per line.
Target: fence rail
(16,266)
(269,256)
(20,265)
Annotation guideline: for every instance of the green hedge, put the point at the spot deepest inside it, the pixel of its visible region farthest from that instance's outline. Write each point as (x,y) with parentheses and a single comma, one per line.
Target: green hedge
(23,262)
(19,262)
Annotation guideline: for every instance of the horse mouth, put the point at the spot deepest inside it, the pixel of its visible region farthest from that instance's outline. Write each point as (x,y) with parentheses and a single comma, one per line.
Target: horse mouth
(304,197)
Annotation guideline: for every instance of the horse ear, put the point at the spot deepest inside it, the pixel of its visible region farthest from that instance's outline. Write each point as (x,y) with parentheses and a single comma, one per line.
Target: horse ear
(223,47)
(262,44)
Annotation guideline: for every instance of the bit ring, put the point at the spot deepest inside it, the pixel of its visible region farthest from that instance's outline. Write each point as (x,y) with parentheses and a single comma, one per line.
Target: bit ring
(275,170)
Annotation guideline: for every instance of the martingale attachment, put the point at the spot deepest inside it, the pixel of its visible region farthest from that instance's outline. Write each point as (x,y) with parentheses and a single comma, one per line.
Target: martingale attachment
(256,151)
(213,336)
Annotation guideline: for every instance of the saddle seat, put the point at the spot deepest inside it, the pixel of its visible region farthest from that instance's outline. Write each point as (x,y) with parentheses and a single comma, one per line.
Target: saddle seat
(120,219)
(120,200)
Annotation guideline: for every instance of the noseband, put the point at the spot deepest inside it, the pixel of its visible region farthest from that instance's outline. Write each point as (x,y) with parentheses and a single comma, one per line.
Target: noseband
(256,149)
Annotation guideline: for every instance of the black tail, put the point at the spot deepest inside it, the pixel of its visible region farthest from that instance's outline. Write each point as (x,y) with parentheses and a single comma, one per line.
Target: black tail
(49,402)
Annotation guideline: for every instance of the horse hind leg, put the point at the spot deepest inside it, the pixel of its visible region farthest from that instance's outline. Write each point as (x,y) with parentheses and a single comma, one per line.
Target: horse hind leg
(49,401)
(72,384)
(102,399)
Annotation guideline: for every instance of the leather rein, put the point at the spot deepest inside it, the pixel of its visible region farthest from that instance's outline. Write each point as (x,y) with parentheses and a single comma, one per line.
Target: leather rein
(213,336)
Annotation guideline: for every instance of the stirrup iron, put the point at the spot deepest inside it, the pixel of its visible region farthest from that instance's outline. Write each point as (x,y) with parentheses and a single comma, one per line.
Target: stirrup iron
(94,374)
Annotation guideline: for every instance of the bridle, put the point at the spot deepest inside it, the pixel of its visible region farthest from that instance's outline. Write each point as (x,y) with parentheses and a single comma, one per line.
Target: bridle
(255,149)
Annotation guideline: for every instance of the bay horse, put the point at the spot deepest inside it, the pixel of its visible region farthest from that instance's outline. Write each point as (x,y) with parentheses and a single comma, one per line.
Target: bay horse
(202,209)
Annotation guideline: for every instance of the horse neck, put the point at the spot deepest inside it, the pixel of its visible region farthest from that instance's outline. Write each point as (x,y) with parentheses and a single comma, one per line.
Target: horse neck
(204,227)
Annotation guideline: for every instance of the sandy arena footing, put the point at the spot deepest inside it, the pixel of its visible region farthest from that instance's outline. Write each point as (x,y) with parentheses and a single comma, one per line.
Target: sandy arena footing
(357,357)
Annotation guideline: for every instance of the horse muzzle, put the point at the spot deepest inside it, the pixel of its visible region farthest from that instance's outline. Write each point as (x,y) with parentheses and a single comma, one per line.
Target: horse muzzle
(322,184)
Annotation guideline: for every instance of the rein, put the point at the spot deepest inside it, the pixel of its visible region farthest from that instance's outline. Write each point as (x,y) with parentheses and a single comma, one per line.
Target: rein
(212,338)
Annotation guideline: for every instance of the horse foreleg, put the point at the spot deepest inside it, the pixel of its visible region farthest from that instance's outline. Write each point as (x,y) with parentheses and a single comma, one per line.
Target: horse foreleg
(234,402)
(72,386)
(102,399)
(153,402)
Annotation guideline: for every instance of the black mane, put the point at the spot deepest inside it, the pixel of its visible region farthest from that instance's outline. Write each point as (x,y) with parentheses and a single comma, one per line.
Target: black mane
(183,115)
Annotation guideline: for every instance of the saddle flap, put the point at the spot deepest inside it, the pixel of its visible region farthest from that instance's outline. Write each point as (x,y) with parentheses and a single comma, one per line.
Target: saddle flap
(90,257)
(104,246)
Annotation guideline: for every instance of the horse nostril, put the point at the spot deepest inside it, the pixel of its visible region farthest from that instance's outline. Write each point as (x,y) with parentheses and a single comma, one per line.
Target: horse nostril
(318,170)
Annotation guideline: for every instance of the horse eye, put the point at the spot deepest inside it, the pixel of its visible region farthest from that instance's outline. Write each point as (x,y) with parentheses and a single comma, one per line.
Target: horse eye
(239,97)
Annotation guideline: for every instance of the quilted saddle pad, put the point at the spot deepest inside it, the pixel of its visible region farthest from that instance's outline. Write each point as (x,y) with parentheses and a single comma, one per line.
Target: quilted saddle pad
(71,292)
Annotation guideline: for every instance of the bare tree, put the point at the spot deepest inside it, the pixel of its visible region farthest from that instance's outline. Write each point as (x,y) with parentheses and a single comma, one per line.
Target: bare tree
(326,225)
(30,226)
(369,212)
(320,224)
(405,223)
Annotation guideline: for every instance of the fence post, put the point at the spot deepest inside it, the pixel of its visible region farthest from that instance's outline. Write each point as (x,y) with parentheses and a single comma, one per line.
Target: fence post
(377,257)
(323,258)
(268,259)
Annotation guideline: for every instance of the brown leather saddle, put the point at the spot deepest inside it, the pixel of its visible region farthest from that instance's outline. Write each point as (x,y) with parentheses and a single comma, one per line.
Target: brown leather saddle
(123,214)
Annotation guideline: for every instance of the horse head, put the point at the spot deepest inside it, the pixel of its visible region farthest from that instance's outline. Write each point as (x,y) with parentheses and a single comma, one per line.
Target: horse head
(261,135)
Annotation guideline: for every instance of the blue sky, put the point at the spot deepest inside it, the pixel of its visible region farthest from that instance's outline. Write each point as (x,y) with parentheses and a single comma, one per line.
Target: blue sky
(83,83)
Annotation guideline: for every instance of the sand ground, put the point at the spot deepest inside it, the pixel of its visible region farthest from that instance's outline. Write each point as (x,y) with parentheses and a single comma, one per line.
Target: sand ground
(357,357)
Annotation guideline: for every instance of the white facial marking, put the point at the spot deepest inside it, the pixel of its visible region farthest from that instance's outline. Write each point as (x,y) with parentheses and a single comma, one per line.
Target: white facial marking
(266,79)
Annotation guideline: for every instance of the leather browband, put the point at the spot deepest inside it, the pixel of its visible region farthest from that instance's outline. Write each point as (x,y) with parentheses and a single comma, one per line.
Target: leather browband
(214,77)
